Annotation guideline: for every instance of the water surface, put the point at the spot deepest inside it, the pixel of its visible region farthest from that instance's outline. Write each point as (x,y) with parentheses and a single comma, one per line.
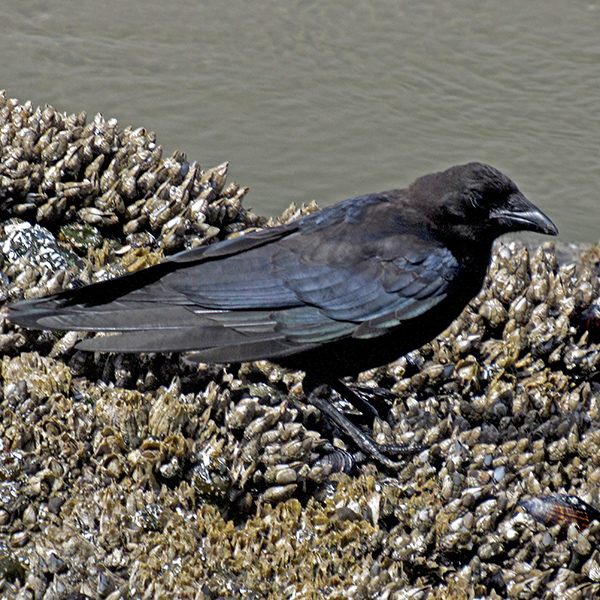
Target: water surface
(313,100)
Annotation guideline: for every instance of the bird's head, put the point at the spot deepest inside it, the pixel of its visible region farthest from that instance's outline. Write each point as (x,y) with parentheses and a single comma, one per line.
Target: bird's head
(475,203)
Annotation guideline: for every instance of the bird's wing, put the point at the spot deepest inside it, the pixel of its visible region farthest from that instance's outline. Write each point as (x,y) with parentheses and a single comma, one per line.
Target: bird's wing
(110,305)
(265,295)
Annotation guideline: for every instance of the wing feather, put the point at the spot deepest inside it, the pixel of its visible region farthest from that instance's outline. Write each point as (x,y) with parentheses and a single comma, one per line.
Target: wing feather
(266,294)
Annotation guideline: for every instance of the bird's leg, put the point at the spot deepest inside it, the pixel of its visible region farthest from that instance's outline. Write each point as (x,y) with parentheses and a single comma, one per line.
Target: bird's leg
(374,406)
(358,436)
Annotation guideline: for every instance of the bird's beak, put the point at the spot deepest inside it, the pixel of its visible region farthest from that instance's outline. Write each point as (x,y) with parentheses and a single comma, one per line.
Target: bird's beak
(520,214)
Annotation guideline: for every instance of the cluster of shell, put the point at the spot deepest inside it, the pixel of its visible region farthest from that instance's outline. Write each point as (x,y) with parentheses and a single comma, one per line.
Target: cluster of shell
(86,182)
(143,476)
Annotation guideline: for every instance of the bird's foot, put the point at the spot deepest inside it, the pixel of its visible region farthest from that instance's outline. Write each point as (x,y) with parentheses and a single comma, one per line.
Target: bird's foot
(378,452)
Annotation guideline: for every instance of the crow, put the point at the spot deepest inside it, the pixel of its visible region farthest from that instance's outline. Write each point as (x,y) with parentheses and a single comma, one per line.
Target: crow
(351,287)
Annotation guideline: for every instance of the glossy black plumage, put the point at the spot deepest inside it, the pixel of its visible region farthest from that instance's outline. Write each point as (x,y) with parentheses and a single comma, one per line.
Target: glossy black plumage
(351,287)
(379,274)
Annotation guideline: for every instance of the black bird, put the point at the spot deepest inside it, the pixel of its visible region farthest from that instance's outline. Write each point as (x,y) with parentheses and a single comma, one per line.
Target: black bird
(354,286)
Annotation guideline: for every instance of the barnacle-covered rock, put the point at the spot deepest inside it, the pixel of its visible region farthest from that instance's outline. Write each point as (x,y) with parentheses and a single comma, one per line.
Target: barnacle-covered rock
(58,170)
(140,475)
